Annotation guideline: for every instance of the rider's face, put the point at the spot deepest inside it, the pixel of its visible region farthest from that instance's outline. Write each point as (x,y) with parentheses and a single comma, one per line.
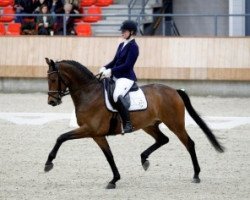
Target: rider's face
(125,34)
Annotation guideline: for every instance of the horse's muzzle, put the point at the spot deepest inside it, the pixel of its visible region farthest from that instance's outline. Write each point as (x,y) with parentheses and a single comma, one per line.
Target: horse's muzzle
(54,102)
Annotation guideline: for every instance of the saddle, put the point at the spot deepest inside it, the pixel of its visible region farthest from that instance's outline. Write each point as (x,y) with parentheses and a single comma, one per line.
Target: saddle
(135,98)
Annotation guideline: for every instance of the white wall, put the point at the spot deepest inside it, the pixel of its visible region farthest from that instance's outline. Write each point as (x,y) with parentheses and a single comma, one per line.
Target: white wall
(237,24)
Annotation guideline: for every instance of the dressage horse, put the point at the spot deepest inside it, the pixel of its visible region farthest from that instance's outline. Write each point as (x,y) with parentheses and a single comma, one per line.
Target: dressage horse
(165,105)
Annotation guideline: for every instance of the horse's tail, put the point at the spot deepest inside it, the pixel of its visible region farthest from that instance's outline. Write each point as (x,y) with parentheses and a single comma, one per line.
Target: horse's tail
(211,137)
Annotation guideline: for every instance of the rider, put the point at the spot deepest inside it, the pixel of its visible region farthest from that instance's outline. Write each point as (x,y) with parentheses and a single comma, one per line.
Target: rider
(122,72)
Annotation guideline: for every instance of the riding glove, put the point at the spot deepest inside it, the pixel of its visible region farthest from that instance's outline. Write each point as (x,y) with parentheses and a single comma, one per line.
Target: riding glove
(107,73)
(102,69)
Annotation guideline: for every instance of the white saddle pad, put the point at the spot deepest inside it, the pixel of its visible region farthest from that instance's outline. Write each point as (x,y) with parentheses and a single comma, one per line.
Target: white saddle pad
(137,101)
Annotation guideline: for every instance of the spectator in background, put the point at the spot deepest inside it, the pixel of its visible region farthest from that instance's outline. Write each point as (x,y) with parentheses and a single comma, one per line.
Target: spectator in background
(25,7)
(41,2)
(55,6)
(70,21)
(19,8)
(44,23)
(74,3)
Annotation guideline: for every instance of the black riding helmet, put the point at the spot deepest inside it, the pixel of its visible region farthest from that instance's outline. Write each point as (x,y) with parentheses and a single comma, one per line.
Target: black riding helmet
(129,25)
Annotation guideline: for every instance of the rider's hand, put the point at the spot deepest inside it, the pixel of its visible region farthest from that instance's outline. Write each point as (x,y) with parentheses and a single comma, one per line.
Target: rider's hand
(107,73)
(102,69)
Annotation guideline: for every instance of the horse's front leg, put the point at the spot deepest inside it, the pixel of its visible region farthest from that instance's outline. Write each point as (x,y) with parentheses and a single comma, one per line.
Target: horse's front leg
(103,144)
(75,134)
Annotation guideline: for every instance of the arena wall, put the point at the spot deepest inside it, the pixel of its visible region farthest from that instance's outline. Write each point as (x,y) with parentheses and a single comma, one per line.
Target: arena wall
(176,61)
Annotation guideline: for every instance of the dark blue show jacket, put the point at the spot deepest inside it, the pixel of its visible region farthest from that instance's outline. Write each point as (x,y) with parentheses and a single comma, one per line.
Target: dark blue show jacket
(122,66)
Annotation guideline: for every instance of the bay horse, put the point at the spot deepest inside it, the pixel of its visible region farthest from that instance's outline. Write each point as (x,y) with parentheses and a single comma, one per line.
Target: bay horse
(165,105)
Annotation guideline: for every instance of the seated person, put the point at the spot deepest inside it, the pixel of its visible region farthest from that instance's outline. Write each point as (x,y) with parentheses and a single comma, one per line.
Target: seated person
(25,7)
(55,6)
(70,21)
(40,3)
(44,23)
(75,4)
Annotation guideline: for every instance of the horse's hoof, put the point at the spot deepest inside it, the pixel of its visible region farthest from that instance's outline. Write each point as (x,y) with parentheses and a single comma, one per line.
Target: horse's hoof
(111,186)
(145,165)
(196,180)
(48,167)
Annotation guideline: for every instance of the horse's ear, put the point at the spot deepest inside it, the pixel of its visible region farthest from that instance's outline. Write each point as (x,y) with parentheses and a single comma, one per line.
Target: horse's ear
(47,61)
(52,64)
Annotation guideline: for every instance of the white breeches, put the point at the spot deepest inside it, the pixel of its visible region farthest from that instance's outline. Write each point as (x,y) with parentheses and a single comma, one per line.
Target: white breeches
(122,86)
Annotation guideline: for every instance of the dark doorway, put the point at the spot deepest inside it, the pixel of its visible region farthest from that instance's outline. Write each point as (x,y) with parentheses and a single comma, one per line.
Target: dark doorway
(157,27)
(247,21)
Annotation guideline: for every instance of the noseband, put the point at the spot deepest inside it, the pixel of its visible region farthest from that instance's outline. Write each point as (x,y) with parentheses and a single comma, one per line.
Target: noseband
(59,91)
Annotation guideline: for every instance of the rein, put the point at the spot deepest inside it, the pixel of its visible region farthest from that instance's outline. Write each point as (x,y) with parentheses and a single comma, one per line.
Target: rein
(99,76)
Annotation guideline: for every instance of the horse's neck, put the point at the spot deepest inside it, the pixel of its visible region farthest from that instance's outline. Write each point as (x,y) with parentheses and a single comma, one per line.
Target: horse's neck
(75,79)
(82,89)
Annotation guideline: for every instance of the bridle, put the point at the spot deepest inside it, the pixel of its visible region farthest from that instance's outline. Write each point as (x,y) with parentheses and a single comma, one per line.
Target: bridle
(59,91)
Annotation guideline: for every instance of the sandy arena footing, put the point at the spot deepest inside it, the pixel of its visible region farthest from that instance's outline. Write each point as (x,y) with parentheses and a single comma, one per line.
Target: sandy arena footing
(29,128)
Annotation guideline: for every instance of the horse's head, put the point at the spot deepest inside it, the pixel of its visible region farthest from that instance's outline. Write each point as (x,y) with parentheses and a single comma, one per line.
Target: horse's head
(57,87)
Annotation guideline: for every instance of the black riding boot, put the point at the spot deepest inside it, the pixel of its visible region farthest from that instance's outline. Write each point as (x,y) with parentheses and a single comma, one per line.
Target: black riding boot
(124,113)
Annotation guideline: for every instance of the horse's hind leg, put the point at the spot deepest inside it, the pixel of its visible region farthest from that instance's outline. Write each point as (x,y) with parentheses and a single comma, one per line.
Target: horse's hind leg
(191,149)
(190,146)
(160,140)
